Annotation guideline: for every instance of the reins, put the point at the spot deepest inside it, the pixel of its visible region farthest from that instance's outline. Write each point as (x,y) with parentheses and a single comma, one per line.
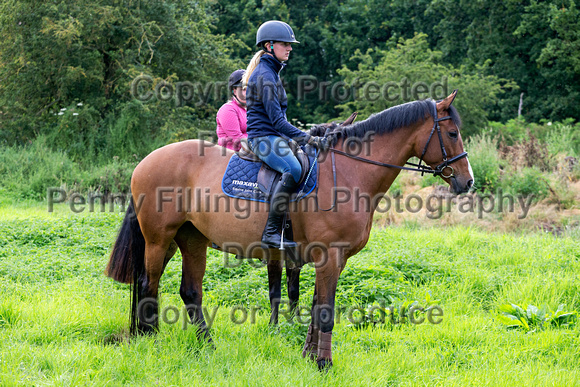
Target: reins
(437,171)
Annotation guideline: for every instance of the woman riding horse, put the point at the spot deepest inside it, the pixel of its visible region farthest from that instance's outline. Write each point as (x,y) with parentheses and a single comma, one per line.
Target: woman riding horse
(268,127)
(163,214)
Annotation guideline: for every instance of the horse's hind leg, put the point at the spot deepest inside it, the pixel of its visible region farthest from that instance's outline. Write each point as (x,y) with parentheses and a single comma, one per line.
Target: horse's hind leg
(193,246)
(147,288)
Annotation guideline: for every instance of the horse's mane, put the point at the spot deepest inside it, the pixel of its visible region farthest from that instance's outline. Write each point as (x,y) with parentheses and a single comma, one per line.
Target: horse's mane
(386,121)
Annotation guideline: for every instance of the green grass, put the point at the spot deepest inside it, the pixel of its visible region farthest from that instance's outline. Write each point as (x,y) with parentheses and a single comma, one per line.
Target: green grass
(62,321)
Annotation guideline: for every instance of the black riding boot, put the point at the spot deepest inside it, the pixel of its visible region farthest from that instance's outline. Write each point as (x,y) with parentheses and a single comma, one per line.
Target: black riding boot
(278,207)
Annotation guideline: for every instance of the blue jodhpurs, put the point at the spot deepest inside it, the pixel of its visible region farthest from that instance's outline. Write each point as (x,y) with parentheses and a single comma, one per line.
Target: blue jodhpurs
(275,151)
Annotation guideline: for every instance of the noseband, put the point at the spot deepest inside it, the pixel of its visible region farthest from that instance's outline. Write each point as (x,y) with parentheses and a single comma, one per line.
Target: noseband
(438,170)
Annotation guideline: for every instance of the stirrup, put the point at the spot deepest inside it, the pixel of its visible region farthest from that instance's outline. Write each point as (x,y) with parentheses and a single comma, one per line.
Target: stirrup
(280,244)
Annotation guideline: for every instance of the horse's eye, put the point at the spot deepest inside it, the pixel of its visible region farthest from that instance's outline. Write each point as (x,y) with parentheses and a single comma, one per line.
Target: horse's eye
(453,134)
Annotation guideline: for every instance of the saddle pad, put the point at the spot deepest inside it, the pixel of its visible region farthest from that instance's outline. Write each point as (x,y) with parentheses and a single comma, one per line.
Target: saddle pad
(241,180)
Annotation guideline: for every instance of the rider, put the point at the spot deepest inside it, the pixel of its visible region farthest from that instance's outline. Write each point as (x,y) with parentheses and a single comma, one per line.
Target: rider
(231,118)
(268,128)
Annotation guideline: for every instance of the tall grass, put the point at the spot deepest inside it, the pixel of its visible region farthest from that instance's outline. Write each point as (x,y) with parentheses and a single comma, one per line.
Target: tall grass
(564,138)
(63,323)
(28,171)
(485,161)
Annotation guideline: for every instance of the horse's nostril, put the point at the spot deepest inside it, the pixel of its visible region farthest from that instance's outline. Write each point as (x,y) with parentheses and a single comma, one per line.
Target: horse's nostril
(470,184)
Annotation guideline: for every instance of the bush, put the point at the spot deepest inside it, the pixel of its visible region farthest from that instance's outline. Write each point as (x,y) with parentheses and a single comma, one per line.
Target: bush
(533,319)
(430,180)
(485,161)
(564,138)
(517,130)
(560,137)
(528,181)
(76,132)
(133,132)
(27,171)
(528,153)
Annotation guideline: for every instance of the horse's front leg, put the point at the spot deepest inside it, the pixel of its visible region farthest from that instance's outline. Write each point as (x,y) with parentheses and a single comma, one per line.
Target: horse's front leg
(274,288)
(329,264)
(311,345)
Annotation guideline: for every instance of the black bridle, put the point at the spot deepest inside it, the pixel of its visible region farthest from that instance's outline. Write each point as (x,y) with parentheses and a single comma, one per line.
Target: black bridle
(437,171)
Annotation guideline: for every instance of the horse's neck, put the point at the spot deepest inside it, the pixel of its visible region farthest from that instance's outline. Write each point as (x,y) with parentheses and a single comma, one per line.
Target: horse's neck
(393,148)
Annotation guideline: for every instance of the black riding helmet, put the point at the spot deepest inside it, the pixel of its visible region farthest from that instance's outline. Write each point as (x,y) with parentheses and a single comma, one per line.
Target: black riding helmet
(235,79)
(275,31)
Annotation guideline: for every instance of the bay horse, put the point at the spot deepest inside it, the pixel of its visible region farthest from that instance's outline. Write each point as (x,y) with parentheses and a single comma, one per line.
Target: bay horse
(177,201)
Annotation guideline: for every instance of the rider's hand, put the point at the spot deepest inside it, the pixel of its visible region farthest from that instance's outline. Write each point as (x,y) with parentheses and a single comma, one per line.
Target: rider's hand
(320,143)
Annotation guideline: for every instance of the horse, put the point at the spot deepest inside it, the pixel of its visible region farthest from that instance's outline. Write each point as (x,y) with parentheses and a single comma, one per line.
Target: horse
(177,202)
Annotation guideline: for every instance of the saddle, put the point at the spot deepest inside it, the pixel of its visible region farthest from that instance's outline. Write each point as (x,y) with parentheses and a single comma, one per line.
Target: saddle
(247,177)
(268,176)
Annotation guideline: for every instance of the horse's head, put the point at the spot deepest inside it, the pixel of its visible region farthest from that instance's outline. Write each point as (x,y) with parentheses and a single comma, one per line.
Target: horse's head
(441,147)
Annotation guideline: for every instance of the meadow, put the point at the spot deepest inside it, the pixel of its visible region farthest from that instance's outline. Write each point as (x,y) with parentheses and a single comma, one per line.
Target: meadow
(63,323)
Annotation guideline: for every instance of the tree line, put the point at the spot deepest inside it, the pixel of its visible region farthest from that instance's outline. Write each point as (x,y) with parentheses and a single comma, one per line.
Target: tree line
(68,69)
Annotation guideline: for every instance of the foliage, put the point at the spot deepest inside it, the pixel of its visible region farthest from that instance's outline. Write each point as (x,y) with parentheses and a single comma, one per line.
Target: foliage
(564,138)
(554,25)
(396,313)
(411,62)
(532,318)
(560,137)
(28,171)
(83,56)
(528,181)
(485,161)
(527,153)
(329,31)
(56,56)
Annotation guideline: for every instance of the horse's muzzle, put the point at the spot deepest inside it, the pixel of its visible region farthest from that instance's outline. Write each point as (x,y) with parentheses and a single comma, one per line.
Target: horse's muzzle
(460,187)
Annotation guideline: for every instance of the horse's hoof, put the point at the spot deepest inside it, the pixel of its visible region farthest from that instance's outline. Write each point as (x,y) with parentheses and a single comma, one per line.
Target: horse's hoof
(146,330)
(210,344)
(309,351)
(205,338)
(324,364)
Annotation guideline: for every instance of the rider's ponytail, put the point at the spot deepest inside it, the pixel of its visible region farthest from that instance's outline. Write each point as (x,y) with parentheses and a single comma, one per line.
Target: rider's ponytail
(252,66)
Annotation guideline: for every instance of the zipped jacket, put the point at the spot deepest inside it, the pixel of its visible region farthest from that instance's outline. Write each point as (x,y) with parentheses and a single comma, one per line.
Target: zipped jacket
(267,103)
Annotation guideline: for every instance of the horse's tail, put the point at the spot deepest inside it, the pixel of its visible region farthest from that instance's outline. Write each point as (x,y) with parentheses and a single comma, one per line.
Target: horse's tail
(128,255)
(127,262)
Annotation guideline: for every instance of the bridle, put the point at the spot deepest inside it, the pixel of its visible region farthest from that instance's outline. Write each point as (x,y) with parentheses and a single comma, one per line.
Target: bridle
(439,170)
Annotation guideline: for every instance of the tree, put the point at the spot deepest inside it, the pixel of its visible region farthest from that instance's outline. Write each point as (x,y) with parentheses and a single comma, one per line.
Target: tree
(56,55)
(557,27)
(411,71)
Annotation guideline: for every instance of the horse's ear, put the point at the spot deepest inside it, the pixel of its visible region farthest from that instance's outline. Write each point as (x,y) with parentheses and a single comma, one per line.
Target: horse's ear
(444,105)
(350,119)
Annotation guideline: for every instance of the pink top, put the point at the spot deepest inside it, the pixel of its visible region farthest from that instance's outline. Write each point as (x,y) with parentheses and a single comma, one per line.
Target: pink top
(231,125)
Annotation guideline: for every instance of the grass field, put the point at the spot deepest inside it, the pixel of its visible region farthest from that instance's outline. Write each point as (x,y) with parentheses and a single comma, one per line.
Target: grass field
(61,319)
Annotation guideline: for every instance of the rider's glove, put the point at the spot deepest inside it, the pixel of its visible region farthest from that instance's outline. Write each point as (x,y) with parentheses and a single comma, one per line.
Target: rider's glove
(320,143)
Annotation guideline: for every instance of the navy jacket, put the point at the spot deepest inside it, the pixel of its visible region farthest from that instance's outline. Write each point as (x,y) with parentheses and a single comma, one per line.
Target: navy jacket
(267,103)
